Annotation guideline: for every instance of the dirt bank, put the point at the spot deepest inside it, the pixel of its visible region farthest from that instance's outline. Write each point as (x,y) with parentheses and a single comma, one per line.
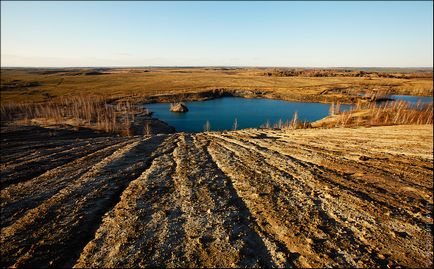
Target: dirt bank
(308,198)
(203,95)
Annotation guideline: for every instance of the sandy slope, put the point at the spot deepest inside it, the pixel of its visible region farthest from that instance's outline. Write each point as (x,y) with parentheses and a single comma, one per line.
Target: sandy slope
(318,197)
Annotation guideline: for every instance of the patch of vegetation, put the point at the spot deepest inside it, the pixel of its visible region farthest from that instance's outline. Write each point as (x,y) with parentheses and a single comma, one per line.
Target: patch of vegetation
(89,111)
(373,114)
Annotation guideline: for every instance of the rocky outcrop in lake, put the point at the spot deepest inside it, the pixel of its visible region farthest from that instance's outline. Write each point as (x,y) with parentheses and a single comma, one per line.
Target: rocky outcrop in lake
(178,107)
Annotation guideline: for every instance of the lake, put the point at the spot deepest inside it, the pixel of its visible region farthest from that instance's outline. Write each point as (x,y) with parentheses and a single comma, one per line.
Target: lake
(413,99)
(250,113)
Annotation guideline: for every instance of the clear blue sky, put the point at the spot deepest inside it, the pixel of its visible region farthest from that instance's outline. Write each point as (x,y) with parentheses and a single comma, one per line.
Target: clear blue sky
(319,34)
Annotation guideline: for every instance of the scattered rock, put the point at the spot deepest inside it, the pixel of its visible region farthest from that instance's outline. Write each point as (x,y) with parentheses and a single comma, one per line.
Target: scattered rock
(402,234)
(364,158)
(178,107)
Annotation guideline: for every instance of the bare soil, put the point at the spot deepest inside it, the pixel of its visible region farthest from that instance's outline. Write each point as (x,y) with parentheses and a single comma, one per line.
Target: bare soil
(251,198)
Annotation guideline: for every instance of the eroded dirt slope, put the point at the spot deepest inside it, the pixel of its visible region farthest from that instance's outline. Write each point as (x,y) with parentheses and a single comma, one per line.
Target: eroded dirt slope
(304,198)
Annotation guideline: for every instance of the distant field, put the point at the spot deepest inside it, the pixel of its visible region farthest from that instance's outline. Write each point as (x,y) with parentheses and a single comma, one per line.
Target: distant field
(38,85)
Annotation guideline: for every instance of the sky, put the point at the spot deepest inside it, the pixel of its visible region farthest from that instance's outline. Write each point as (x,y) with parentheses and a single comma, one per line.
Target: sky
(293,34)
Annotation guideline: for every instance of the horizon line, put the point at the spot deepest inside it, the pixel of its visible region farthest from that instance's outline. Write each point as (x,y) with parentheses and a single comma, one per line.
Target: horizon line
(199,66)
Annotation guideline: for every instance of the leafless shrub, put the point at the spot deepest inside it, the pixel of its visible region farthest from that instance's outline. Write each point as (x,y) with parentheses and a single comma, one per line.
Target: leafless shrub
(386,113)
(147,129)
(294,121)
(207,126)
(335,109)
(376,94)
(86,110)
(235,125)
(292,124)
(266,125)
(278,124)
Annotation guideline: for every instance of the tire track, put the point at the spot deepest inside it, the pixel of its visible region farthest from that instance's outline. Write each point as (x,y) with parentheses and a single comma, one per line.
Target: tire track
(249,198)
(354,244)
(398,210)
(37,165)
(378,180)
(218,228)
(132,233)
(13,154)
(68,220)
(18,198)
(268,202)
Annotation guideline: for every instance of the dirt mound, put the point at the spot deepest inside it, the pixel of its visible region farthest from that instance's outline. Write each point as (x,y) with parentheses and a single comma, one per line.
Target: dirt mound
(306,198)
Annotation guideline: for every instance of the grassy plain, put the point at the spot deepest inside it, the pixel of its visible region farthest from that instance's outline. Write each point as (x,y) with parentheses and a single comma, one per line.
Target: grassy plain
(39,85)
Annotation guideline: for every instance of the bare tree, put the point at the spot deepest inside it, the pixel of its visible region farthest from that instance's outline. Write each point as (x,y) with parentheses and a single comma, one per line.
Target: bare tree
(332,109)
(294,121)
(207,126)
(266,125)
(147,130)
(235,125)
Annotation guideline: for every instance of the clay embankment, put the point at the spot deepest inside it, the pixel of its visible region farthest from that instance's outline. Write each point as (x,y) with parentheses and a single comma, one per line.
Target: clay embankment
(343,96)
(316,197)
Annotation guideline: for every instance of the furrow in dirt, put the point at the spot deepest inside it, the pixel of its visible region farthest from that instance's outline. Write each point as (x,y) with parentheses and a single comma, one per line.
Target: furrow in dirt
(27,150)
(268,203)
(217,230)
(48,150)
(409,186)
(378,183)
(64,223)
(131,233)
(358,143)
(47,160)
(249,198)
(18,198)
(339,225)
(192,217)
(398,167)
(392,140)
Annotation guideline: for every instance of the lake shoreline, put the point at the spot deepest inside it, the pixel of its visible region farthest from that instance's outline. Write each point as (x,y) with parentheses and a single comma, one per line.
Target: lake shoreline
(204,95)
(222,112)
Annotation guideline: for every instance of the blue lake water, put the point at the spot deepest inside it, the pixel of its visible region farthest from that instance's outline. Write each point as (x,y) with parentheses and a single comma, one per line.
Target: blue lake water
(413,99)
(250,113)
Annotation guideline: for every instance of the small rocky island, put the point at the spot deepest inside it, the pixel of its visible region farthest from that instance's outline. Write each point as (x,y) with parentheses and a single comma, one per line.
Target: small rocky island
(178,107)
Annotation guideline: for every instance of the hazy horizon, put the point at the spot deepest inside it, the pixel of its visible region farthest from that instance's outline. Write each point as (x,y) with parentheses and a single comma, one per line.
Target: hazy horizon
(219,34)
(221,66)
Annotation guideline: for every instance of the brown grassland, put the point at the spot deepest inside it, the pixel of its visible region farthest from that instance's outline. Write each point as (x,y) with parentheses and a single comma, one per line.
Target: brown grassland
(38,85)
(78,97)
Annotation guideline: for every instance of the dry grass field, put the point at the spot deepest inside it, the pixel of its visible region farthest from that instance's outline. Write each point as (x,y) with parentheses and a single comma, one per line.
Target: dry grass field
(38,85)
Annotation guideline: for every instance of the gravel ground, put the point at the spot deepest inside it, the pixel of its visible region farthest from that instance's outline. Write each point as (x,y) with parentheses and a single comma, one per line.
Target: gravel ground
(250,198)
